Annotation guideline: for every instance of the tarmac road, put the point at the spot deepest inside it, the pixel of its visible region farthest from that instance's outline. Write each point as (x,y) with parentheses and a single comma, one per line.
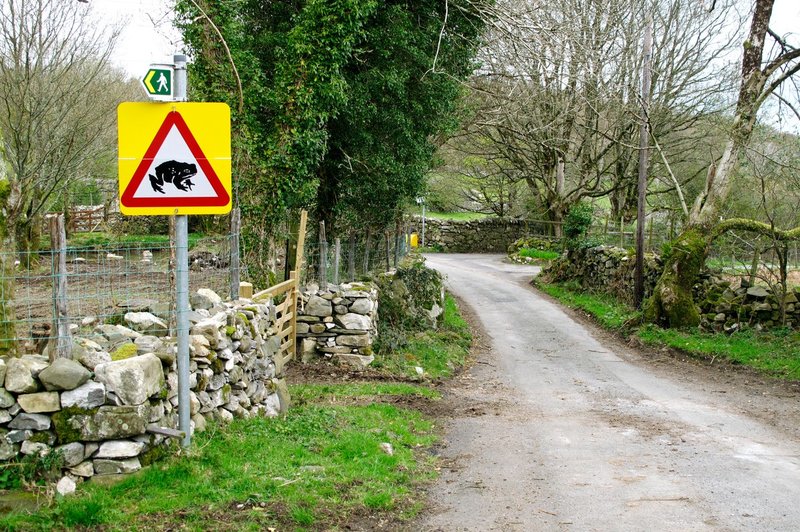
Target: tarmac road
(555,429)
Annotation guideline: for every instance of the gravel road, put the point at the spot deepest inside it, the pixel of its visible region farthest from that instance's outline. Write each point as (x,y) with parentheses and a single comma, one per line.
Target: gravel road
(558,426)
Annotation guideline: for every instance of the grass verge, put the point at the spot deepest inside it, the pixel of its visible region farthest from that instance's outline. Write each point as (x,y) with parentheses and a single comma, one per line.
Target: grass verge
(456,216)
(317,468)
(540,254)
(323,467)
(609,312)
(776,353)
(438,352)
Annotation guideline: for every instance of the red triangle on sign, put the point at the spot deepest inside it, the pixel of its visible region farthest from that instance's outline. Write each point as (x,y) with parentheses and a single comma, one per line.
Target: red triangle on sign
(164,192)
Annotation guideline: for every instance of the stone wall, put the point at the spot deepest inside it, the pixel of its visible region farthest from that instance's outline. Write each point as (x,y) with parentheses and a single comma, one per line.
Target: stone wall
(340,322)
(604,269)
(488,235)
(99,408)
(725,305)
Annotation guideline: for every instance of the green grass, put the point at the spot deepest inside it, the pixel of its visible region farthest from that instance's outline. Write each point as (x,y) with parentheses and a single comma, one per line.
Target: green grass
(100,240)
(609,312)
(534,253)
(456,216)
(439,353)
(776,353)
(315,468)
(303,393)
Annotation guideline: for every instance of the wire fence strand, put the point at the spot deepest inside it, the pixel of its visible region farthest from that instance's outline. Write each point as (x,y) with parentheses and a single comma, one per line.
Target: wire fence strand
(103,284)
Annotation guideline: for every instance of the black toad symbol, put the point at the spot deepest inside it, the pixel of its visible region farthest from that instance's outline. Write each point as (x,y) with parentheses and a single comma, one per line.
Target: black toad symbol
(179,174)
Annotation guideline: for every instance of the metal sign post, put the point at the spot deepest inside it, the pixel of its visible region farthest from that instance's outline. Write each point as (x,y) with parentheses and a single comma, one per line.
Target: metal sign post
(182,282)
(175,159)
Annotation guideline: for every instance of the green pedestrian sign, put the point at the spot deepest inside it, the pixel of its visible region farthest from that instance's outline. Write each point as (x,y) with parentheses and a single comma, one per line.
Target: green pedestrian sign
(158,82)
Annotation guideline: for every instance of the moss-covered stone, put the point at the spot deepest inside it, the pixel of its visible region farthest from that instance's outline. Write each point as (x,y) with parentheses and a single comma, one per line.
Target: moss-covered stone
(102,423)
(226,393)
(67,432)
(41,437)
(156,453)
(124,351)
(202,382)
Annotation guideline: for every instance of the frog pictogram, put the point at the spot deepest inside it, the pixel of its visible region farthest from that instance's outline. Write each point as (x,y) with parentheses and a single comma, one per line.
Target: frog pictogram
(177,173)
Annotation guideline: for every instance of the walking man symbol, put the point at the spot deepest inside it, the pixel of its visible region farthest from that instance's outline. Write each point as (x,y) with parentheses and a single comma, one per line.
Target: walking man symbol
(162,83)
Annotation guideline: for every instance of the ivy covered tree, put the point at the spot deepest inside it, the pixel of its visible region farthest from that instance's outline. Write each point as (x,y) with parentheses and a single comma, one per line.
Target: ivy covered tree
(342,99)
(765,68)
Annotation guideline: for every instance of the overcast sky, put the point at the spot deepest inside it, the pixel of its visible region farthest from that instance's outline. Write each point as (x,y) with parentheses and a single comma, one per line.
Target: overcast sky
(148,36)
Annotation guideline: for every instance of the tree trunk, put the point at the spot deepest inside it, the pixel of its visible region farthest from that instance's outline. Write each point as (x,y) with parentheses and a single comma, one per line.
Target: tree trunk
(671,304)
(7,258)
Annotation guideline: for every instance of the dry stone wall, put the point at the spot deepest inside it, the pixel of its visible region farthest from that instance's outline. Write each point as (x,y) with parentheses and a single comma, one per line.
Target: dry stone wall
(604,269)
(98,409)
(488,235)
(725,305)
(339,322)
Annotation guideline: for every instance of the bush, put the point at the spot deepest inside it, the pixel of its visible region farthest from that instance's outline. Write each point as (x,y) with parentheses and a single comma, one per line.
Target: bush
(410,301)
(576,224)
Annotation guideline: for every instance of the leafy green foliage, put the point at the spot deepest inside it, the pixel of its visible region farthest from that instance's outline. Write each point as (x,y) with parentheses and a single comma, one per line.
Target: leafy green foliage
(341,103)
(32,469)
(577,223)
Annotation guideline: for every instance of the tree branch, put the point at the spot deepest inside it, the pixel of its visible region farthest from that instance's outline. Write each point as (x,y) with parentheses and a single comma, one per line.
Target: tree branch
(753,226)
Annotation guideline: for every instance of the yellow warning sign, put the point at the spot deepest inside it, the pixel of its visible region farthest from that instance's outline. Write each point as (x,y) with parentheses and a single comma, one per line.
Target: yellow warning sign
(174,158)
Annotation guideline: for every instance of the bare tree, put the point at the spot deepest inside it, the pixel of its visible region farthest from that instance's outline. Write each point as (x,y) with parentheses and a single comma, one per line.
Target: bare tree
(54,104)
(764,69)
(557,100)
(56,115)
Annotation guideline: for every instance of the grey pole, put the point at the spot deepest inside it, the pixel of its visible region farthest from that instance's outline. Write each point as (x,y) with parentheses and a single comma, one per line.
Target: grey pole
(423,224)
(644,141)
(182,283)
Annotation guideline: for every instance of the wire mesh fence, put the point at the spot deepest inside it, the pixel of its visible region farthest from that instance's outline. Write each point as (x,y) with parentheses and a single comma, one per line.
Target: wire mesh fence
(354,256)
(104,283)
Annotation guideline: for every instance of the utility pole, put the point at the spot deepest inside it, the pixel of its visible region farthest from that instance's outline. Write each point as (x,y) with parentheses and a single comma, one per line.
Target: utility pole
(644,140)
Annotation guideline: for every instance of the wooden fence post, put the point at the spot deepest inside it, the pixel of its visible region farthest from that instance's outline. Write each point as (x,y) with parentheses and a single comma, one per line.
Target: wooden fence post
(351,259)
(323,258)
(235,277)
(388,251)
(396,243)
(58,242)
(301,245)
(337,254)
(366,251)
